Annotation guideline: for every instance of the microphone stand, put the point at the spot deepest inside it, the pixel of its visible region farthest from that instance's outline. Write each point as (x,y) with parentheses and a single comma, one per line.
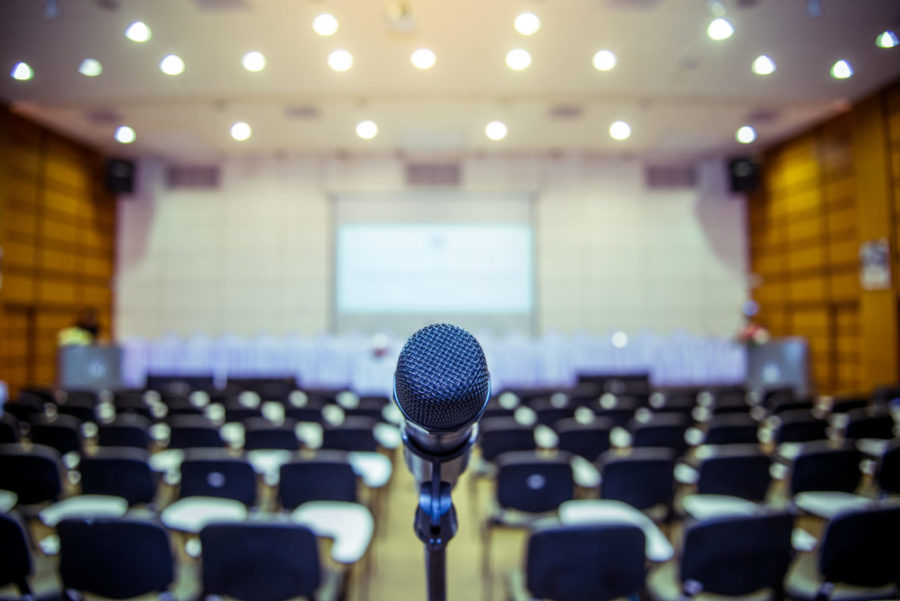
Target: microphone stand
(435,520)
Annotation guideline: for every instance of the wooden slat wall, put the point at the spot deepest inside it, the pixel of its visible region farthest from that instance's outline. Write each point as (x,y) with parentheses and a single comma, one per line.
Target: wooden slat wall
(58,239)
(804,241)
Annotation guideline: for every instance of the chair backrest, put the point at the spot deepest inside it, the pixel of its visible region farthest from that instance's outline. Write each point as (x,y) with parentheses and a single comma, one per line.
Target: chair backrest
(118,558)
(128,430)
(619,409)
(499,435)
(740,472)
(119,471)
(326,477)
(587,440)
(355,434)
(33,474)
(9,429)
(261,434)
(17,564)
(131,402)
(211,474)
(847,404)
(888,475)
(83,409)
(737,555)
(860,548)
(664,430)
(731,428)
(730,402)
(61,433)
(820,467)
(194,436)
(800,426)
(259,561)
(587,561)
(527,482)
(643,478)
(865,424)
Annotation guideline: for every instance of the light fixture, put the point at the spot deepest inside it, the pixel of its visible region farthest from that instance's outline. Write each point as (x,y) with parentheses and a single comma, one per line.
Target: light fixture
(719,29)
(22,72)
(325,24)
(604,60)
(495,130)
(171,64)
(886,39)
(527,23)
(340,60)
(423,58)
(841,70)
(366,129)
(125,135)
(254,61)
(518,59)
(620,339)
(241,131)
(620,130)
(90,67)
(745,134)
(763,65)
(138,32)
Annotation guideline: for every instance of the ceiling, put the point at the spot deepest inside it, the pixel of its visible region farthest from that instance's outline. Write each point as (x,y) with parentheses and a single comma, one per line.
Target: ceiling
(683,94)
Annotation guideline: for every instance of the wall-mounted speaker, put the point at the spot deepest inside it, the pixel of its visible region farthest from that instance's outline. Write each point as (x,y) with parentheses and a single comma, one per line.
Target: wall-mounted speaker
(120,176)
(743,175)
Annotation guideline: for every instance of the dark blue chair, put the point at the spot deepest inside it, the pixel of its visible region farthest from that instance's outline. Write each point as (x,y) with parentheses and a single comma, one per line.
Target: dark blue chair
(119,471)
(327,476)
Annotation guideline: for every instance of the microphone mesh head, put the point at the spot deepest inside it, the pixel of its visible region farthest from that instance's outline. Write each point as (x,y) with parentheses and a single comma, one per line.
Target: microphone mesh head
(442,380)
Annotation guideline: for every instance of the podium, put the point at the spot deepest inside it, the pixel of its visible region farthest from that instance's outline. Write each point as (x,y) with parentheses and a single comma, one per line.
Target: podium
(781,363)
(92,367)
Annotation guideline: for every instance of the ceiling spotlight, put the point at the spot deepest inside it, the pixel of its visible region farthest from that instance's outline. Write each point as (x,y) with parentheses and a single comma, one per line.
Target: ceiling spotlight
(340,60)
(423,58)
(527,23)
(325,24)
(620,131)
(745,135)
(763,65)
(90,67)
(172,65)
(125,135)
(620,339)
(138,32)
(720,29)
(604,60)
(254,61)
(22,72)
(366,129)
(841,70)
(495,130)
(886,39)
(240,131)
(518,59)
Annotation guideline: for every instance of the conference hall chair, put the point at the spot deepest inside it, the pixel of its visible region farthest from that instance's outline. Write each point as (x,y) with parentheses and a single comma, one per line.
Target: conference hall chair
(326,476)
(131,402)
(728,557)
(33,473)
(17,564)
(781,406)
(847,404)
(824,478)
(731,428)
(264,561)
(729,402)
(193,431)
(857,559)
(800,425)
(885,394)
(619,409)
(600,561)
(304,407)
(731,478)
(643,478)
(371,406)
(126,430)
(673,402)
(180,405)
(82,408)
(868,423)
(354,434)
(260,433)
(888,475)
(499,435)
(116,558)
(663,430)
(588,440)
(214,473)
(120,472)
(551,409)
(25,406)
(62,432)
(9,429)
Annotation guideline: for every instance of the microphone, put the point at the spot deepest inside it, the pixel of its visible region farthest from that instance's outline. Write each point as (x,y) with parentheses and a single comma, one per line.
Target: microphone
(441,386)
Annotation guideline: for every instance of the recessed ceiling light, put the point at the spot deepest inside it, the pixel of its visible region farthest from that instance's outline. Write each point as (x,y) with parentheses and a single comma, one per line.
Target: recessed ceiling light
(620,130)
(22,72)
(604,60)
(841,70)
(138,32)
(125,135)
(518,59)
(240,131)
(745,134)
(886,39)
(720,29)
(340,60)
(423,58)
(90,67)
(495,130)
(527,23)
(254,61)
(172,65)
(366,129)
(325,24)
(763,65)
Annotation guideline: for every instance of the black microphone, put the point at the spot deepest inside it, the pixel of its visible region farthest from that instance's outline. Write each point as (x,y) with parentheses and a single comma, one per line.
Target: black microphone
(441,386)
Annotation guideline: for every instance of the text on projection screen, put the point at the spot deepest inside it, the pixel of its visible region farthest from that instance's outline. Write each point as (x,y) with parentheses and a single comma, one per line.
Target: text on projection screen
(454,268)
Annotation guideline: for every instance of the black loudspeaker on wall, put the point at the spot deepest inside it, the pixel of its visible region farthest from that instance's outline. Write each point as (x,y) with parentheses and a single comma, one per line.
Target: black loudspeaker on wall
(120,176)
(743,174)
